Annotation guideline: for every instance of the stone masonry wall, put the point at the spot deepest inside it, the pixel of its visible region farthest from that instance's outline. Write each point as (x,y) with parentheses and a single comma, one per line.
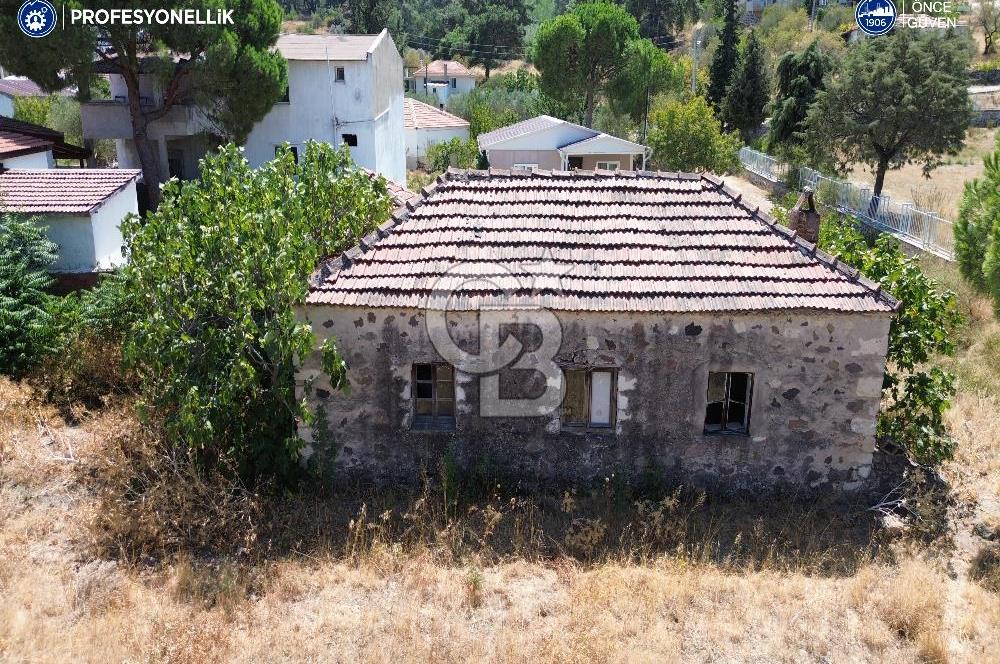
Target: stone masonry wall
(817,381)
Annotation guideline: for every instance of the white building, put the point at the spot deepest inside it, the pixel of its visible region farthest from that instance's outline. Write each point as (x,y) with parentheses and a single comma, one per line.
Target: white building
(441,78)
(342,89)
(553,144)
(427,126)
(81,208)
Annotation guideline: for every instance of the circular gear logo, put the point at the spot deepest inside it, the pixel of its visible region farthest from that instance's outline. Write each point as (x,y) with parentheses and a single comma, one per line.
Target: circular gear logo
(875,17)
(37,18)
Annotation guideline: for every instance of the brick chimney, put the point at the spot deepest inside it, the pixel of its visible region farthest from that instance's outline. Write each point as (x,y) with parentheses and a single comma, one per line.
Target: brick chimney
(804,218)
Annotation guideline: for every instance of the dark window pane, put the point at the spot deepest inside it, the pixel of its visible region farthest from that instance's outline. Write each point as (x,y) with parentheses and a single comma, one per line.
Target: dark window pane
(713,417)
(716,387)
(425,372)
(575,402)
(738,384)
(425,407)
(425,390)
(736,414)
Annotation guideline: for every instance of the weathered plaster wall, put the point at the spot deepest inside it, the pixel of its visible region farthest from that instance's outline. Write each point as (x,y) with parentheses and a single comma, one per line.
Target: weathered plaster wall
(816,395)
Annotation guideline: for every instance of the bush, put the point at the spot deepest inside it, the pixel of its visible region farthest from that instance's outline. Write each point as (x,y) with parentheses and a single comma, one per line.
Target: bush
(977,231)
(686,136)
(27,332)
(915,396)
(217,271)
(456,152)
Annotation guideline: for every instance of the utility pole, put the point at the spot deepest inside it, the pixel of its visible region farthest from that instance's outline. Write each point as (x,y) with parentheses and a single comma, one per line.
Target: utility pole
(695,43)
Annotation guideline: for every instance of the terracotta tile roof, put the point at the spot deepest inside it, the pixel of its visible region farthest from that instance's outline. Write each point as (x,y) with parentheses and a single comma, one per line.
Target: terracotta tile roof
(591,241)
(418,115)
(400,194)
(443,68)
(60,148)
(14,145)
(60,190)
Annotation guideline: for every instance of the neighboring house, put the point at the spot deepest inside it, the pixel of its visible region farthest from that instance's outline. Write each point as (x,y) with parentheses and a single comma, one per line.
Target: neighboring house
(426,126)
(697,340)
(441,78)
(550,143)
(26,145)
(15,87)
(82,210)
(342,89)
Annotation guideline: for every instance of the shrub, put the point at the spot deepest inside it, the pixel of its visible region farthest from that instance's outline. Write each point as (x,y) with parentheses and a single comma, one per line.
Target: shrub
(456,152)
(686,136)
(26,322)
(916,396)
(218,270)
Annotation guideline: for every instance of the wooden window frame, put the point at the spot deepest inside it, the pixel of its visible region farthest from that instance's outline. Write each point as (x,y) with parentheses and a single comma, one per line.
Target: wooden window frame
(727,400)
(588,425)
(436,421)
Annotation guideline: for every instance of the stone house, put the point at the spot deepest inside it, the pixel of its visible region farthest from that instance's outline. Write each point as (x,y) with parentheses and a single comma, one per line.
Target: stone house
(554,327)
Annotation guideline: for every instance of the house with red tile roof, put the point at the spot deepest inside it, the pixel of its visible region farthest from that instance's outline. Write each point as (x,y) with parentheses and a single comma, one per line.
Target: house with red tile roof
(81,208)
(426,126)
(441,79)
(561,327)
(26,145)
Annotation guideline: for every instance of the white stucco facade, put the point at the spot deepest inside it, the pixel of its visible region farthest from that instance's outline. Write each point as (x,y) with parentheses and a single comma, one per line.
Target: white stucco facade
(6,105)
(34,160)
(91,242)
(352,97)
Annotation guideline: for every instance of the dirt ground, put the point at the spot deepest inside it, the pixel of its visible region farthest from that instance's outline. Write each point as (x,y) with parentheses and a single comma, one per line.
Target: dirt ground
(811,590)
(941,192)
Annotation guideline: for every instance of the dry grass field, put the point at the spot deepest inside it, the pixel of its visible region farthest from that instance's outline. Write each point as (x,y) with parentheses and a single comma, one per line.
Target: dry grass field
(941,192)
(601,577)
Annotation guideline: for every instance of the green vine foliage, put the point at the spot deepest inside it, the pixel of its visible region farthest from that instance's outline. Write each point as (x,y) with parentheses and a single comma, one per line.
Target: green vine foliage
(26,329)
(218,270)
(915,394)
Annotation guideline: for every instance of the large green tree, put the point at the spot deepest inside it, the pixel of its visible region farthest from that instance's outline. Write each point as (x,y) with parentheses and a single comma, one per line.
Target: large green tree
(648,71)
(659,18)
(726,55)
(370,17)
(977,231)
(216,271)
(579,53)
(210,64)
(799,78)
(492,32)
(895,100)
(748,91)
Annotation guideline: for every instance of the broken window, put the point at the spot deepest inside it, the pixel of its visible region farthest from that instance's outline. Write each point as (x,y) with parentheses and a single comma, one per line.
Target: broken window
(728,407)
(590,398)
(433,396)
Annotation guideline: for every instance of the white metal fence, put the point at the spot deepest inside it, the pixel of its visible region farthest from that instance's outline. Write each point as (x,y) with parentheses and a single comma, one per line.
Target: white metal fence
(919,228)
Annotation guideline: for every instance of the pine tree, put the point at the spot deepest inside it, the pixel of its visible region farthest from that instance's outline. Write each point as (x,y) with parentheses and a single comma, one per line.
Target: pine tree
(800,76)
(747,95)
(726,55)
(25,322)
